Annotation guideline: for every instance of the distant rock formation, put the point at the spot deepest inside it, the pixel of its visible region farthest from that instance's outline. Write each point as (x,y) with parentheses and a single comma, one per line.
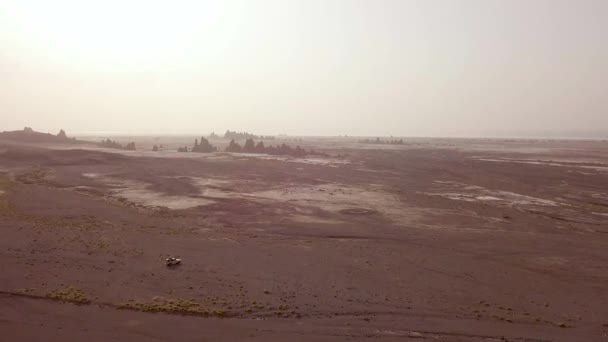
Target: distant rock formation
(204,146)
(155,148)
(234,147)
(116,145)
(259,147)
(110,144)
(62,135)
(236,136)
(239,135)
(287,150)
(378,141)
(283,149)
(28,135)
(249,146)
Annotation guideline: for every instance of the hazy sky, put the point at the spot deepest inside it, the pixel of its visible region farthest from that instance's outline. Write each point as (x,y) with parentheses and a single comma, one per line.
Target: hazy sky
(314,67)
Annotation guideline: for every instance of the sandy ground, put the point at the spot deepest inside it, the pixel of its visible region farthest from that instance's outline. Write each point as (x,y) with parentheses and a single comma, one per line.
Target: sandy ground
(440,240)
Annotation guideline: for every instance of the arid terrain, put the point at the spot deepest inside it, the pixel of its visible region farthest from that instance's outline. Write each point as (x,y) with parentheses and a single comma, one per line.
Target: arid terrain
(435,239)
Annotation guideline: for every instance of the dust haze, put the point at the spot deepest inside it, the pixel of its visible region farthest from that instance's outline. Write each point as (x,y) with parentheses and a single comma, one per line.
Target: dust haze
(415,68)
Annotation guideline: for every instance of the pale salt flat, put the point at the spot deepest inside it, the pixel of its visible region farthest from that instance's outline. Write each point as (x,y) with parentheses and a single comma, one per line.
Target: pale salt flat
(475,193)
(599,168)
(140,193)
(331,197)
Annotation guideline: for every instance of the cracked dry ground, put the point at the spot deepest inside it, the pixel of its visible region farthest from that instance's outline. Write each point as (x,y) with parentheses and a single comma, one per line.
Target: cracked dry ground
(276,251)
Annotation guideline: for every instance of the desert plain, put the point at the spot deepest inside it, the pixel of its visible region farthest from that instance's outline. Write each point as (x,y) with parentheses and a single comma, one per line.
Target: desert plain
(433,240)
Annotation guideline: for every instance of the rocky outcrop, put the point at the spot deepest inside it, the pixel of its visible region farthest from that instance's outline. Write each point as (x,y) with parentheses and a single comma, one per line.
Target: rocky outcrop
(287,150)
(249,146)
(108,143)
(259,147)
(204,146)
(61,135)
(283,149)
(234,147)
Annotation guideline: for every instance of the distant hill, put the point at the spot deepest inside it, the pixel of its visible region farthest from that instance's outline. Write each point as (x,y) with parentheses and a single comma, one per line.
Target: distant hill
(28,135)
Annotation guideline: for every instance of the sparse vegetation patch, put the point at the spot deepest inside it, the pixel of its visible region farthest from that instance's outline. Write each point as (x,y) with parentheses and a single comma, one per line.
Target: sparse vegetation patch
(172,306)
(69,294)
